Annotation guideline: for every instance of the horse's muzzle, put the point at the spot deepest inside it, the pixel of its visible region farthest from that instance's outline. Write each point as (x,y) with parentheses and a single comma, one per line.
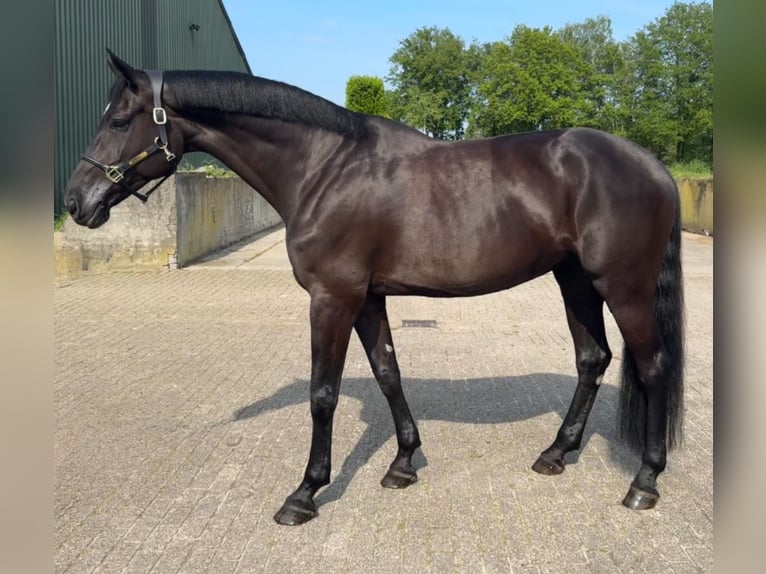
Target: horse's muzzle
(92,216)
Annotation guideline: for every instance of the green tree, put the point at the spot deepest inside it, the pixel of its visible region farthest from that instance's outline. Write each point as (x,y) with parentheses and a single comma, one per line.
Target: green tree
(668,84)
(594,41)
(645,101)
(432,82)
(533,81)
(656,88)
(366,94)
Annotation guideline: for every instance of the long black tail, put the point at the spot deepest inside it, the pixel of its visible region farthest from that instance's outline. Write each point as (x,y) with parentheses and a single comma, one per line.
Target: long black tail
(669,311)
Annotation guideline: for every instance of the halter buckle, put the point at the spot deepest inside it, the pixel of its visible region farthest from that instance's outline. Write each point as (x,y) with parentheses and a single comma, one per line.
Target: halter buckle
(169,155)
(159,116)
(114,174)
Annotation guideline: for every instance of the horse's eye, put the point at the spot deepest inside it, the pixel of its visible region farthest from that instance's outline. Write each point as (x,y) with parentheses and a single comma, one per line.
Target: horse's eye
(119,124)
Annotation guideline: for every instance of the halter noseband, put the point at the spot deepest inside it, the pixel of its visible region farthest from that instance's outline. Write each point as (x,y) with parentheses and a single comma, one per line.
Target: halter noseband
(116,173)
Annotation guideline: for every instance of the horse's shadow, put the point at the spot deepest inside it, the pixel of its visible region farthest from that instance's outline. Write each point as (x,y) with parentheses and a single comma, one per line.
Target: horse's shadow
(475,401)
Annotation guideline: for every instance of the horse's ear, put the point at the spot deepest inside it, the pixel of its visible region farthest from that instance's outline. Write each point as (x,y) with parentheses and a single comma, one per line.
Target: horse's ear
(123,70)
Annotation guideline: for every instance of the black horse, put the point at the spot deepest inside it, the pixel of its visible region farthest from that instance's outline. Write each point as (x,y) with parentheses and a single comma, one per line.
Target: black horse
(374,208)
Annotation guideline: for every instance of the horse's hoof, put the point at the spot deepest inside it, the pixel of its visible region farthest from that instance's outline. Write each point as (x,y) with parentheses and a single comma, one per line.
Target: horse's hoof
(638,499)
(548,466)
(292,514)
(398,479)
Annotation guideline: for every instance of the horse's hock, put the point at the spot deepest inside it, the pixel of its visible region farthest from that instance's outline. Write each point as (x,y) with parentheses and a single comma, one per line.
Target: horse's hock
(189,216)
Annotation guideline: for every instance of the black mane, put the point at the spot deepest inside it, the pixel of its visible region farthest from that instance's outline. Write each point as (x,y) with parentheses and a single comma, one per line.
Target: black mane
(239,93)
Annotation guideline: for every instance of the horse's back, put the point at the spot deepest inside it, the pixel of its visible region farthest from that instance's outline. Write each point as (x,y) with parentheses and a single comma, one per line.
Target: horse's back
(493,213)
(468,217)
(472,217)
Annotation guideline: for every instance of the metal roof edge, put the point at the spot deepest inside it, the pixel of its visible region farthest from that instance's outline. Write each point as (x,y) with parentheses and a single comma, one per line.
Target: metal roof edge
(234,35)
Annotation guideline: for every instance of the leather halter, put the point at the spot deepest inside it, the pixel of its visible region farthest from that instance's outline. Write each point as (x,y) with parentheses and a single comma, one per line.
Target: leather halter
(116,173)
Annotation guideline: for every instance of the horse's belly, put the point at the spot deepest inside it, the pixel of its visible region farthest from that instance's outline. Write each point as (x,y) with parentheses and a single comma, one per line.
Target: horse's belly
(462,275)
(386,286)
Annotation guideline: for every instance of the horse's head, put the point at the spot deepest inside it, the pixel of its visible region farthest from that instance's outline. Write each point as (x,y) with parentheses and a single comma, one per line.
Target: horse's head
(134,144)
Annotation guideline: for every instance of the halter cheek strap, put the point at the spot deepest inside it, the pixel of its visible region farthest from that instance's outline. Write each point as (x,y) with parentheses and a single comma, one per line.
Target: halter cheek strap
(116,173)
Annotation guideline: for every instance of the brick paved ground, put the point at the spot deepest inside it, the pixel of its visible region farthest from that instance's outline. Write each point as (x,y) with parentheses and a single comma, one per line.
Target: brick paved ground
(182,423)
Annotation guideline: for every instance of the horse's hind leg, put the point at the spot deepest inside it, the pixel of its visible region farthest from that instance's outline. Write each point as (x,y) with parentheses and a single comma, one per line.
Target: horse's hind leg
(584,308)
(374,332)
(646,359)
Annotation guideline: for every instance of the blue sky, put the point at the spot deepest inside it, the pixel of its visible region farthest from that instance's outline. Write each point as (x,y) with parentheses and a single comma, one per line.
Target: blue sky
(317,45)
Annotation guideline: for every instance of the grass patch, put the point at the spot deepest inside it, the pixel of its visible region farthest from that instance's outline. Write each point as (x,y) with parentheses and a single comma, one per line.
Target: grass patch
(215,171)
(209,170)
(695,169)
(58,221)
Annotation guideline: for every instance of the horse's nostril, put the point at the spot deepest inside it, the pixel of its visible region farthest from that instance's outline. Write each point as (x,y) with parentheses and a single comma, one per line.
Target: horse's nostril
(71,205)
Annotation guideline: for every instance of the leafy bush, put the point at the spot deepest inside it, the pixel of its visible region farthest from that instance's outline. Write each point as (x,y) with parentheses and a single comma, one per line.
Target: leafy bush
(366,94)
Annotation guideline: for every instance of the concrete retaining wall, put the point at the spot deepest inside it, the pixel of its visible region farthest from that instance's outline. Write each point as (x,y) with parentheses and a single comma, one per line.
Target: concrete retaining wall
(189,216)
(137,237)
(696,205)
(214,213)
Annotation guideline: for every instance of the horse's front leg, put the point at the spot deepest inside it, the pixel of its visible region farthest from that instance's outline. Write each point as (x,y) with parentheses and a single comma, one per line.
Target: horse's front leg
(331,321)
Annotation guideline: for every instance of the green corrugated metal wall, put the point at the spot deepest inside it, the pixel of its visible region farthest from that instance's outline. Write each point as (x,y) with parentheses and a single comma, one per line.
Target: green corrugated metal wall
(146,34)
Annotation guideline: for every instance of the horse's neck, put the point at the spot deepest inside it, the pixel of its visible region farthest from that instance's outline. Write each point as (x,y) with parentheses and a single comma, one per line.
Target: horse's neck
(272,157)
